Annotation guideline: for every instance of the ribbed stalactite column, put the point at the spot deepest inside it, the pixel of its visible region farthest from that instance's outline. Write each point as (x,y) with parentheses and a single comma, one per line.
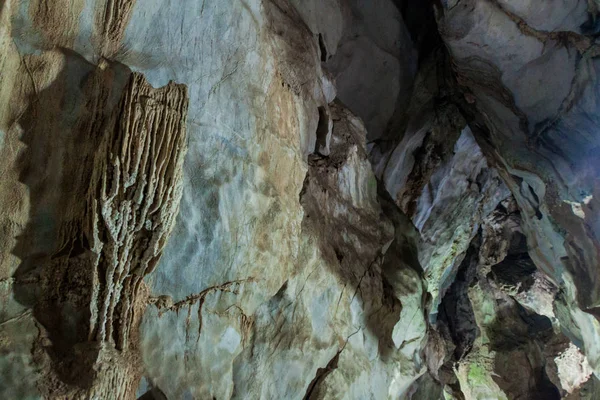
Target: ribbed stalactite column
(131,206)
(133,200)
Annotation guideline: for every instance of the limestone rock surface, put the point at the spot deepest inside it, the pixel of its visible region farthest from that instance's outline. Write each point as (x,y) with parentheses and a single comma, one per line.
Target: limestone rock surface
(299,199)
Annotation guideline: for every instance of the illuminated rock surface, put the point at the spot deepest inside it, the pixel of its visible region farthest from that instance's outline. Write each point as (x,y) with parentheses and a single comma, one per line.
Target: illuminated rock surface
(322,199)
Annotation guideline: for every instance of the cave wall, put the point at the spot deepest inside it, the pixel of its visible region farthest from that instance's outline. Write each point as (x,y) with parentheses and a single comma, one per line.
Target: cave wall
(530,74)
(298,199)
(252,297)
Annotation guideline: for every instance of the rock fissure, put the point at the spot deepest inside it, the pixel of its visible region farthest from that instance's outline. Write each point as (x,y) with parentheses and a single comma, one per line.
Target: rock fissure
(322,373)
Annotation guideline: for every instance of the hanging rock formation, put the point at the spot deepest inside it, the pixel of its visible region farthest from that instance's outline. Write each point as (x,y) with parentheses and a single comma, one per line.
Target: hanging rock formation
(321,199)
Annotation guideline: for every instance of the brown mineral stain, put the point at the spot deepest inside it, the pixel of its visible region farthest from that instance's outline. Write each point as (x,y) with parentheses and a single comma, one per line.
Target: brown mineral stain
(58,20)
(111,22)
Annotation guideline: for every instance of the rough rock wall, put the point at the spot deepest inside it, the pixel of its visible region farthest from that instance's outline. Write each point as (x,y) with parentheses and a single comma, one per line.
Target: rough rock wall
(272,281)
(437,174)
(529,70)
(494,77)
(498,319)
(98,178)
(345,228)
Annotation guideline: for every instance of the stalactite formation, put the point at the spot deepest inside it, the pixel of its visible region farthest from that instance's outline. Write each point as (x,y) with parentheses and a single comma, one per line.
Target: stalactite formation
(133,201)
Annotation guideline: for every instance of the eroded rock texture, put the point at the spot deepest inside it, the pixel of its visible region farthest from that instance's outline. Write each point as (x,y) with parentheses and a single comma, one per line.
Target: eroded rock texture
(324,199)
(534,102)
(88,294)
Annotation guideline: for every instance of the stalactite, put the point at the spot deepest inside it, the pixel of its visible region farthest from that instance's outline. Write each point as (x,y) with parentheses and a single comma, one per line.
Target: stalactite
(133,200)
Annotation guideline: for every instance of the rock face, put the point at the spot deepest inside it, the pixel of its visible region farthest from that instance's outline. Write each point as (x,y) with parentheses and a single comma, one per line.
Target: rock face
(299,199)
(533,104)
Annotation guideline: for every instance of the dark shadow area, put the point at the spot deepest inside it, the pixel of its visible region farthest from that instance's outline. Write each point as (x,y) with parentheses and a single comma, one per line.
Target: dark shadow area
(323,49)
(322,130)
(62,128)
(420,21)
(426,388)
(433,63)
(519,337)
(517,268)
(514,327)
(455,311)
